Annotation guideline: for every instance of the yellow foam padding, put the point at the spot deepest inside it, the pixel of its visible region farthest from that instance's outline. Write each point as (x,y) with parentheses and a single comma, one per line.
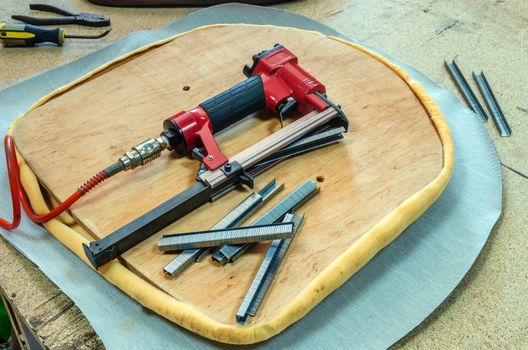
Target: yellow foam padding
(333,276)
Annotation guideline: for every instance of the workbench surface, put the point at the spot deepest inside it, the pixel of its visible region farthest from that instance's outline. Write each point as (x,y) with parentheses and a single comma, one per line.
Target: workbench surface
(488,308)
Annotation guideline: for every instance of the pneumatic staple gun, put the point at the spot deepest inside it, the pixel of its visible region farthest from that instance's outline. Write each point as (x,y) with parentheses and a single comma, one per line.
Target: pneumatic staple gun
(275,82)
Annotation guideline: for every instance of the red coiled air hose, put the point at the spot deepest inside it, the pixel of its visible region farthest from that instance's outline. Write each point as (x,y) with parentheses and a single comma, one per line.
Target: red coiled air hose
(18,196)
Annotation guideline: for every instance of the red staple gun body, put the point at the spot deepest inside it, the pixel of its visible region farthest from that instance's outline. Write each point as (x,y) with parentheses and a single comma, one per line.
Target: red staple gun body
(275,81)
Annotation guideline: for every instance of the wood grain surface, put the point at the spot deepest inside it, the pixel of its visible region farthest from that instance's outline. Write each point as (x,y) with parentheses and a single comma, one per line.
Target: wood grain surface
(391,151)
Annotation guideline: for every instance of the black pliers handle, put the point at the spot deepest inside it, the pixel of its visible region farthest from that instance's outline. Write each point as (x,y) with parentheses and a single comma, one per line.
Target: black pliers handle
(84,19)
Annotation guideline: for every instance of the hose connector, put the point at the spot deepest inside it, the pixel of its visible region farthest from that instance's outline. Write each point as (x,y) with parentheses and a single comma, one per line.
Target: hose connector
(144,153)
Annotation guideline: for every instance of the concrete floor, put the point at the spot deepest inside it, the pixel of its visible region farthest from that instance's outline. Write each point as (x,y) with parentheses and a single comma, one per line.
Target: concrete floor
(489,308)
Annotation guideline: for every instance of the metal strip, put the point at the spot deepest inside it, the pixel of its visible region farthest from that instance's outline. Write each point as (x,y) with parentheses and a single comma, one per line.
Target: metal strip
(271,144)
(465,90)
(307,143)
(493,105)
(265,274)
(259,296)
(182,261)
(243,210)
(304,145)
(230,253)
(238,235)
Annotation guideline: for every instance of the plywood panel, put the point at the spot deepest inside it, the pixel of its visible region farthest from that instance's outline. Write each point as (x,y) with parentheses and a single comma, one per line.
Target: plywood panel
(391,151)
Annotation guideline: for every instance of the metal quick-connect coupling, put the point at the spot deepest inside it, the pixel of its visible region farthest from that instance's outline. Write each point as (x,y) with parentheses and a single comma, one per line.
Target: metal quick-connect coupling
(144,153)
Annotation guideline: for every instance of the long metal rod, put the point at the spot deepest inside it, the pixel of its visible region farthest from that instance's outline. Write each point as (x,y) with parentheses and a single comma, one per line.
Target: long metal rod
(493,105)
(259,296)
(234,218)
(465,90)
(230,253)
(237,235)
(265,274)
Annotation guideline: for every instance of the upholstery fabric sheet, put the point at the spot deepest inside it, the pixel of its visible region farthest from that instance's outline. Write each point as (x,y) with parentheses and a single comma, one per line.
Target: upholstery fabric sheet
(385,300)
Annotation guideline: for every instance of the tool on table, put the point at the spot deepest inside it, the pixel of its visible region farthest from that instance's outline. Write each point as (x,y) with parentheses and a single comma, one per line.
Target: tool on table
(493,105)
(275,81)
(465,90)
(234,218)
(266,272)
(231,252)
(83,19)
(29,35)
(235,235)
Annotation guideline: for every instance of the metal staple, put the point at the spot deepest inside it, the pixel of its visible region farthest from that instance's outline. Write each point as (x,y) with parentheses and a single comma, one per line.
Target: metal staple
(465,90)
(235,217)
(213,238)
(493,105)
(265,274)
(230,253)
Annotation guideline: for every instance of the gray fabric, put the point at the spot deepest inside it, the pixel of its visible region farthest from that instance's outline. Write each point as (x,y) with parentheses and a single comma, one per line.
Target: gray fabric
(385,300)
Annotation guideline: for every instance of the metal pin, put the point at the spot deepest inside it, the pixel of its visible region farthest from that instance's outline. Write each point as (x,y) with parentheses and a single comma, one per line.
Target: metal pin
(493,106)
(213,238)
(265,274)
(465,90)
(230,253)
(235,217)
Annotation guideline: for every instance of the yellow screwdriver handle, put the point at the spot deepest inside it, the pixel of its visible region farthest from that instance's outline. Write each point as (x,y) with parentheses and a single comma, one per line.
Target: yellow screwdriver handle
(29,35)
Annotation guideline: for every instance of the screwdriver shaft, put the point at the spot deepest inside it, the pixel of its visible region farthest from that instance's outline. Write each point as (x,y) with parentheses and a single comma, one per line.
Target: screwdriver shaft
(79,36)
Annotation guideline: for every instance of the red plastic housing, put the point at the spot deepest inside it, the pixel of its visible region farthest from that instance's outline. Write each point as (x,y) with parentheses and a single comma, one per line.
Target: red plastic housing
(195,125)
(283,78)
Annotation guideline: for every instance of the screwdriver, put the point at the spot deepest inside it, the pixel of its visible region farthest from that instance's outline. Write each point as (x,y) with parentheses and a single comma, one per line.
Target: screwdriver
(30,35)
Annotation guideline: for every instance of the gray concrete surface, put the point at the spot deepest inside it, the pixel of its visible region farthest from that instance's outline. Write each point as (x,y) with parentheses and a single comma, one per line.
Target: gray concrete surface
(489,308)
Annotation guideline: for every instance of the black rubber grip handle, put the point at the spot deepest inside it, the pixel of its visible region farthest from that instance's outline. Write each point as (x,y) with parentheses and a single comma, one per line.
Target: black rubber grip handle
(236,103)
(18,34)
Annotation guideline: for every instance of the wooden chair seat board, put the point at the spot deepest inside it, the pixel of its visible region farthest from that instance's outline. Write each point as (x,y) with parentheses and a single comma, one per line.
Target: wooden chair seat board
(391,152)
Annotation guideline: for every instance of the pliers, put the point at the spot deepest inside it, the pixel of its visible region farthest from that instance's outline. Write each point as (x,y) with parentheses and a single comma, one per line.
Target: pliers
(83,19)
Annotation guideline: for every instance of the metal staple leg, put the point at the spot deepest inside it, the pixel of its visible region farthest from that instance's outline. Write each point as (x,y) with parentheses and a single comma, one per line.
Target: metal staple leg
(230,253)
(235,217)
(465,90)
(237,235)
(265,274)
(493,105)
